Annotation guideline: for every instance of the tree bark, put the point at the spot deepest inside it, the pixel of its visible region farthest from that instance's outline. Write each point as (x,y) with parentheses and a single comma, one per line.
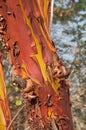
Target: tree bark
(36,68)
(4,106)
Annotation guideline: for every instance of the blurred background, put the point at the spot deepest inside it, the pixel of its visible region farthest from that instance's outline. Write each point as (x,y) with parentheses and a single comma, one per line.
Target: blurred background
(68,32)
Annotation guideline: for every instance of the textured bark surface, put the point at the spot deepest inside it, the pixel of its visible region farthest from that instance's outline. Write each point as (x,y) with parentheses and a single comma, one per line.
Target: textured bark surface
(4,106)
(36,68)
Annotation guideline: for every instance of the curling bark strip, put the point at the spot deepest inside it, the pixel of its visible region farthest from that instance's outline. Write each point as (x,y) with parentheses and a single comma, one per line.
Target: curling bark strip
(45,25)
(25,74)
(46,10)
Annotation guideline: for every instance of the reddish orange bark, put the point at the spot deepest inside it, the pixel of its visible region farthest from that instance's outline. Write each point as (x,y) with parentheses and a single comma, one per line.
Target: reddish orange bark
(36,68)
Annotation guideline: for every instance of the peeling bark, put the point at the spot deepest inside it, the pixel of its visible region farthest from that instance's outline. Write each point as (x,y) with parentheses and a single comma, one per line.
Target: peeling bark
(36,68)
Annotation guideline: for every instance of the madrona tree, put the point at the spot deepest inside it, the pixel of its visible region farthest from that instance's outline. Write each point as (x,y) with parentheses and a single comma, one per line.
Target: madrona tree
(36,69)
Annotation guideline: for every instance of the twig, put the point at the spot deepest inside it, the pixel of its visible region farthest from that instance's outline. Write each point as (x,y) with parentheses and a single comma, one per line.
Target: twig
(28,128)
(53,124)
(51,12)
(15,116)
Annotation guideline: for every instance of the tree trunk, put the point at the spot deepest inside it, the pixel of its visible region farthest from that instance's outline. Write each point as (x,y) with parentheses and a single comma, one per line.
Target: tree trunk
(36,68)
(4,106)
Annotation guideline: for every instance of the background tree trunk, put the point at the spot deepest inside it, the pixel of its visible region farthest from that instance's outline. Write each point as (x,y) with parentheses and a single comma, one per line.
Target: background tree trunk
(36,68)
(4,106)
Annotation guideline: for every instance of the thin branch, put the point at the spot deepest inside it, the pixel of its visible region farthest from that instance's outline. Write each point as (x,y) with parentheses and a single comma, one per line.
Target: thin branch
(53,124)
(28,128)
(15,116)
(51,12)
